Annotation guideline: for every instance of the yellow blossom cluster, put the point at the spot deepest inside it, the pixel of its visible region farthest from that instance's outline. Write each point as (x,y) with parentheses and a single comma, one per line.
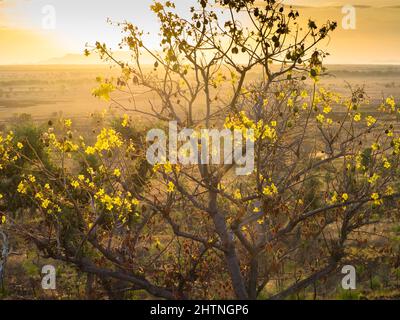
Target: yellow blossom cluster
(396,146)
(264,131)
(324,99)
(218,79)
(390,104)
(166,167)
(46,203)
(359,162)
(123,203)
(103,91)
(377,199)
(270,190)
(335,198)
(386,163)
(373,179)
(241,122)
(65,144)
(125,121)
(237,194)
(171,187)
(8,153)
(43,196)
(370,121)
(107,140)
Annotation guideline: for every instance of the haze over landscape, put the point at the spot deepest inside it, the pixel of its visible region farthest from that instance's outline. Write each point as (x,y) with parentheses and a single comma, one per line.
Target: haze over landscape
(41,91)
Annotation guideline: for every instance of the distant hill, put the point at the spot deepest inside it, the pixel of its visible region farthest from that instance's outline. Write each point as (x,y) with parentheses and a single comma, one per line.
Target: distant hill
(72,59)
(80,59)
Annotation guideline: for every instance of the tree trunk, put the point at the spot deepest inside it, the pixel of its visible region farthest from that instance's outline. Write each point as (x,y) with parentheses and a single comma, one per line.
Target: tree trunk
(231,259)
(252,286)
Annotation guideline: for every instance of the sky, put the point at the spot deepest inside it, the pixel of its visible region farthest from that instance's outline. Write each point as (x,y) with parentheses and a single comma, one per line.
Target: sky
(35,31)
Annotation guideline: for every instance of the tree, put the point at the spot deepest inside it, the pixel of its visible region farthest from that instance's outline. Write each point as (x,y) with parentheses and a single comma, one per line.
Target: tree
(324,170)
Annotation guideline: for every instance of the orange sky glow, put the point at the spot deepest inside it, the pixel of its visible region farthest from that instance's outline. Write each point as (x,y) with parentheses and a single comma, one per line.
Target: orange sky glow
(23,40)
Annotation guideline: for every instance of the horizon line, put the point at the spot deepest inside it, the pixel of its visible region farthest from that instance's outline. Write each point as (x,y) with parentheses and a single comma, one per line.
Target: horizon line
(149,64)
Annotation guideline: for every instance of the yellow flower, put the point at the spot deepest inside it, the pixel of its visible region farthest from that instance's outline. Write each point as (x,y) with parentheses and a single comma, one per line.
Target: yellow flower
(245,92)
(270,190)
(1,196)
(10,136)
(99,194)
(320,118)
(377,199)
(68,123)
(32,178)
(20,145)
(386,164)
(39,196)
(104,91)
(45,203)
(389,191)
(117,201)
(168,167)
(345,196)
(3,220)
(370,121)
(106,200)
(107,139)
(117,173)
(327,110)
(21,188)
(237,194)
(333,198)
(273,124)
(375,177)
(171,187)
(234,78)
(304,94)
(75,184)
(375,147)
(125,121)
(391,103)
(357,117)
(261,221)
(90,150)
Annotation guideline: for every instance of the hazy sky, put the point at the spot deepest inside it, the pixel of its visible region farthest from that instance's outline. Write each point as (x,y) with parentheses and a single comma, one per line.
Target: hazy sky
(376,38)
